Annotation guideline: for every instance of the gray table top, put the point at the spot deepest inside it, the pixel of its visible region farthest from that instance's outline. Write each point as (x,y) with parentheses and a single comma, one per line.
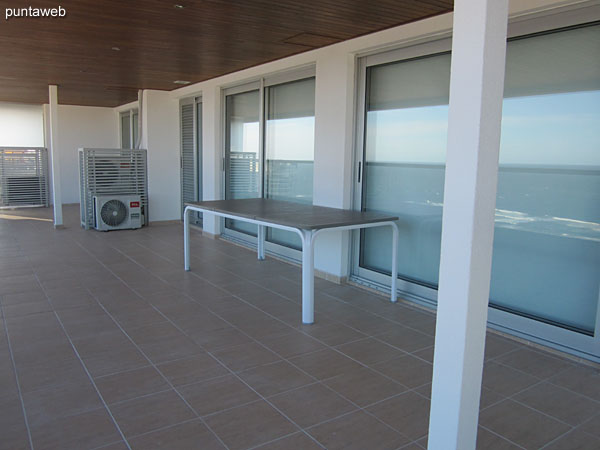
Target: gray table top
(295,215)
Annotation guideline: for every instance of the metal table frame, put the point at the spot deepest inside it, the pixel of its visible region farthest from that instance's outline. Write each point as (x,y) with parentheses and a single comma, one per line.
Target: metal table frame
(308,261)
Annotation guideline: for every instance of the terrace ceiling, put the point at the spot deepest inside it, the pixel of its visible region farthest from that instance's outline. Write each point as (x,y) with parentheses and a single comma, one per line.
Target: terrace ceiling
(103,51)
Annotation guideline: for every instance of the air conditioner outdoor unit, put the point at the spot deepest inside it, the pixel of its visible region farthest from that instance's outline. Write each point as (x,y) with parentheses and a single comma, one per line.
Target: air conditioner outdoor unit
(117,212)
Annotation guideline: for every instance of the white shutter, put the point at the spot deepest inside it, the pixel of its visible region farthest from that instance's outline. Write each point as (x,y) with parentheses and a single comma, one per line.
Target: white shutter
(189,158)
(23,177)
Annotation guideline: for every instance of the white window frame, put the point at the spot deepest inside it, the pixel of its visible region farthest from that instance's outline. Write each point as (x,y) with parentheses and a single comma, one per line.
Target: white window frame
(260,84)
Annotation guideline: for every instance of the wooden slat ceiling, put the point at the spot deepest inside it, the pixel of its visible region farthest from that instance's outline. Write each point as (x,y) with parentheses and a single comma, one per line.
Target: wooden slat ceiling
(161,41)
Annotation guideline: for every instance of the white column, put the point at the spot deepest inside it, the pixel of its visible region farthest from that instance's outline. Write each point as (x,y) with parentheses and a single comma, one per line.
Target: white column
(55,155)
(476,88)
(333,178)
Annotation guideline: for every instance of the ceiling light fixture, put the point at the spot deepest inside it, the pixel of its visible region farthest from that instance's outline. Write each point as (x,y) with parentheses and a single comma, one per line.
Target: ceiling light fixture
(178,6)
(181,82)
(116,49)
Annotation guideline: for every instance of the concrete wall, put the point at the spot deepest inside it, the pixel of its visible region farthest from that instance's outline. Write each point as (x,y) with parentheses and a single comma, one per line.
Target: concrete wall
(21,125)
(81,126)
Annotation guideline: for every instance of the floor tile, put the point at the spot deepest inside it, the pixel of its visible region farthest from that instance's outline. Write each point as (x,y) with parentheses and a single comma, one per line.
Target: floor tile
(249,425)
(505,380)
(245,356)
(311,404)
(151,412)
(332,333)
(358,431)
(271,379)
(534,363)
(209,397)
(581,379)
(369,351)
(363,386)
(45,405)
(292,344)
(521,425)
(575,440)
(295,441)
(592,426)
(408,413)
(486,440)
(407,370)
(191,370)
(324,364)
(130,384)
(87,430)
(406,339)
(186,436)
(560,403)
(119,360)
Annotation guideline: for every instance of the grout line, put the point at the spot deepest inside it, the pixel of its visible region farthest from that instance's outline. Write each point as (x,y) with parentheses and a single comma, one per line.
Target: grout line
(156,368)
(87,372)
(501,436)
(93,383)
(290,362)
(285,298)
(218,361)
(14,366)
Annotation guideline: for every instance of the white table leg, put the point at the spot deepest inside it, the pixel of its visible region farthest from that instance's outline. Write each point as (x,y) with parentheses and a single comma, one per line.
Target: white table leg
(308,277)
(186,238)
(395,237)
(261,242)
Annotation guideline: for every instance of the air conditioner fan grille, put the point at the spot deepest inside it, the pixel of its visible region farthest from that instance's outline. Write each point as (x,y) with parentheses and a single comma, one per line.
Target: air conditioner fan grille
(113,212)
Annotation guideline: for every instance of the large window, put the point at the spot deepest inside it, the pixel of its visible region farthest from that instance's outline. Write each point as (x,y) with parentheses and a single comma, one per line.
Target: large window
(269,148)
(547,234)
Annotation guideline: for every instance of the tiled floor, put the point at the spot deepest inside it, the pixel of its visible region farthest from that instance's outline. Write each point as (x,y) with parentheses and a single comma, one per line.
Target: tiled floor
(105,342)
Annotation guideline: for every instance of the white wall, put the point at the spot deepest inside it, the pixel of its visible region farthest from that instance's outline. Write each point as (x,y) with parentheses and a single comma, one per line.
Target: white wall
(160,136)
(21,125)
(334,115)
(81,126)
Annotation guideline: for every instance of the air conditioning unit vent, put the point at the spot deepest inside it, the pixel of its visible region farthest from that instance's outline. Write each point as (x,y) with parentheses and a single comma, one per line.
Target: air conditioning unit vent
(117,213)
(111,173)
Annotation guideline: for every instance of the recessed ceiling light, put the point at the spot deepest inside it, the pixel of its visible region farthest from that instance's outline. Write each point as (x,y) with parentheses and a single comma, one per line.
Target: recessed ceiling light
(181,82)
(116,49)
(178,6)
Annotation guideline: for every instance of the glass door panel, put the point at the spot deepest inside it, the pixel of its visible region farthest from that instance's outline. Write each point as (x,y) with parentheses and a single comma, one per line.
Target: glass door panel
(546,261)
(242,152)
(405,153)
(289,148)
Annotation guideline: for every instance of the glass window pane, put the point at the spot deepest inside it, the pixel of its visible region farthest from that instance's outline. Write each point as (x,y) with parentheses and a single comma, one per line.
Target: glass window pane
(125,131)
(290,148)
(405,153)
(242,174)
(547,237)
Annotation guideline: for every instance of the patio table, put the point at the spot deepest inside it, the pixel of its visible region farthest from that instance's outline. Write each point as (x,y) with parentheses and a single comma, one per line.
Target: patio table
(307,221)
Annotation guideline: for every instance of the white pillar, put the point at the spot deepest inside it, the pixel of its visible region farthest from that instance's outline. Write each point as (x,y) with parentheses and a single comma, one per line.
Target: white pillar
(56,178)
(333,178)
(476,88)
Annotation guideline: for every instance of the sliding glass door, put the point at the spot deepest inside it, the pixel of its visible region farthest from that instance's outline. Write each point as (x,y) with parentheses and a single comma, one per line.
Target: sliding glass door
(243,169)
(269,150)
(546,263)
(289,148)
